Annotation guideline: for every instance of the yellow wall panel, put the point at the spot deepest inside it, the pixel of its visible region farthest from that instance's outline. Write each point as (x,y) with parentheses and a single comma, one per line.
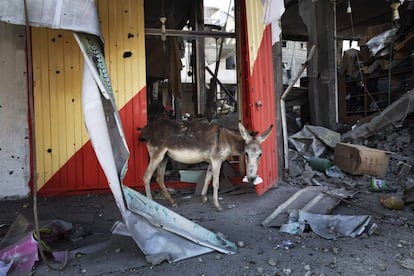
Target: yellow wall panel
(255,27)
(122,24)
(57,74)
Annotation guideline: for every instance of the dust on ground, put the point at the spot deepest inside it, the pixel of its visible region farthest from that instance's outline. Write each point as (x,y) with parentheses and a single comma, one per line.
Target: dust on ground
(262,250)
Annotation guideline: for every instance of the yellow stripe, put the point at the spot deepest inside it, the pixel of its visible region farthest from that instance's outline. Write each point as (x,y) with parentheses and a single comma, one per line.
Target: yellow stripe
(255,28)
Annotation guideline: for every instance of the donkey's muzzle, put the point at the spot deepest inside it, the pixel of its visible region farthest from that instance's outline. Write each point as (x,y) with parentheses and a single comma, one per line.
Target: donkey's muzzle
(253,180)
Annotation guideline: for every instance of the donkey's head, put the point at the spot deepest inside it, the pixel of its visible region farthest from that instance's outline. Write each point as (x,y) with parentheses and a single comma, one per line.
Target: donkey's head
(252,151)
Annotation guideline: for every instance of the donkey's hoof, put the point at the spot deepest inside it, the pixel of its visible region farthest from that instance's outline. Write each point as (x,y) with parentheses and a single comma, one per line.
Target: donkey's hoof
(204,199)
(219,208)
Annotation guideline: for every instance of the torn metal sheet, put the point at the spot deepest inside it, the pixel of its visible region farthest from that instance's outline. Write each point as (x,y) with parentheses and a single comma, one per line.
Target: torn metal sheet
(151,238)
(109,143)
(335,226)
(102,118)
(311,199)
(312,141)
(395,112)
(173,222)
(75,15)
(157,221)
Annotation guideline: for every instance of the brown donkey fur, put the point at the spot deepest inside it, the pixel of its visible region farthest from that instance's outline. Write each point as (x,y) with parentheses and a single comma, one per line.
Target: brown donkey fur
(197,141)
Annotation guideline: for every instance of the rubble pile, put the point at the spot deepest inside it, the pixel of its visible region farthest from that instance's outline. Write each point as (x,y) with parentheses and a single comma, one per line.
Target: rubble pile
(395,140)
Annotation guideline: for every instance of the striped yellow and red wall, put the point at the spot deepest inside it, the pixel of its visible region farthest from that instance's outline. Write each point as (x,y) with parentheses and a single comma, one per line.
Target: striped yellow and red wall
(65,160)
(259,102)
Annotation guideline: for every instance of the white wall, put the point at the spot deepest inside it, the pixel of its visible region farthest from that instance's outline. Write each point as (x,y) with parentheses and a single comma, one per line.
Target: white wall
(14,132)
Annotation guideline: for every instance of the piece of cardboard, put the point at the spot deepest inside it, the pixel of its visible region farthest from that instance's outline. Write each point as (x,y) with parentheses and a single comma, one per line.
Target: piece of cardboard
(359,160)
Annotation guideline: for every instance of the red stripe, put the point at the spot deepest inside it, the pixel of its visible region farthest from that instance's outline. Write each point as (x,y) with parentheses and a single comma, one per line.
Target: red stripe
(82,172)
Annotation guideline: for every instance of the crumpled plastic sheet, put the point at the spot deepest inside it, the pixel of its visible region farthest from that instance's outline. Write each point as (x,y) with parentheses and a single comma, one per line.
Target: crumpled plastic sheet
(380,41)
(328,226)
(19,246)
(312,141)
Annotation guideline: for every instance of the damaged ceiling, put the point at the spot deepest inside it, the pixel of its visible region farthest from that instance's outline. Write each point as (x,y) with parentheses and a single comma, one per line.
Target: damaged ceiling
(363,15)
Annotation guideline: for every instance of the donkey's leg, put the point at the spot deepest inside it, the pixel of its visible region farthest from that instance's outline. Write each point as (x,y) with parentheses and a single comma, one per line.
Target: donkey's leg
(155,159)
(207,181)
(216,166)
(160,179)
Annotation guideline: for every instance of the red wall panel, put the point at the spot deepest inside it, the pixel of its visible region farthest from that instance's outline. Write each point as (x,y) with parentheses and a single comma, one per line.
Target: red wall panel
(259,103)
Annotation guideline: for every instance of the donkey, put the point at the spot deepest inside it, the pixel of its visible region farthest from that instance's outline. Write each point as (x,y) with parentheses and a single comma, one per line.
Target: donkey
(196,141)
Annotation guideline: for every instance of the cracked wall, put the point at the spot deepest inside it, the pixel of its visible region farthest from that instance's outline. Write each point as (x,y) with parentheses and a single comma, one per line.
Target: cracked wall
(14,130)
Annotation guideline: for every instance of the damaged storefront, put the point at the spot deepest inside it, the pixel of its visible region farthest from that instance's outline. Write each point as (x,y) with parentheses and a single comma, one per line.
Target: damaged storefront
(73,48)
(337,181)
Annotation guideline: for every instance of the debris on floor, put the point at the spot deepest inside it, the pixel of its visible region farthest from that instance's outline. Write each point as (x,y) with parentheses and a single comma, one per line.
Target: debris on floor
(313,199)
(327,226)
(408,197)
(19,248)
(312,141)
(392,202)
(159,231)
(407,263)
(378,162)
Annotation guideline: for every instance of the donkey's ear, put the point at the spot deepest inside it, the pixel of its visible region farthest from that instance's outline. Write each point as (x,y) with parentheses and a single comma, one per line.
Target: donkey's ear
(244,133)
(265,134)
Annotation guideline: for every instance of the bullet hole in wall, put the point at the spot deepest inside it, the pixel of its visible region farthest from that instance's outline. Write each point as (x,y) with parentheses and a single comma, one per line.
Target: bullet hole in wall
(127,54)
(49,150)
(57,72)
(130,35)
(11,172)
(53,39)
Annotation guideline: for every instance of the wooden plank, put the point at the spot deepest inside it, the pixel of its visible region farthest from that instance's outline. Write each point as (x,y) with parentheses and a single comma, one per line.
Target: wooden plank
(296,201)
(407,44)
